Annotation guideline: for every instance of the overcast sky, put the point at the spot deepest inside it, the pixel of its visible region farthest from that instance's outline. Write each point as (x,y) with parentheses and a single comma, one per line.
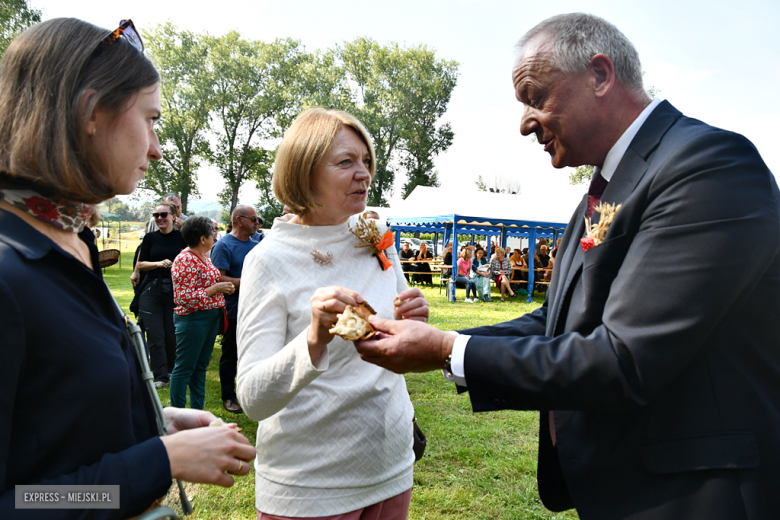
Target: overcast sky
(716,61)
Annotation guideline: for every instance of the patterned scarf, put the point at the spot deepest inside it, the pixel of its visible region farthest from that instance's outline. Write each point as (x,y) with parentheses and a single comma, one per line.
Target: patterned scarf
(64,214)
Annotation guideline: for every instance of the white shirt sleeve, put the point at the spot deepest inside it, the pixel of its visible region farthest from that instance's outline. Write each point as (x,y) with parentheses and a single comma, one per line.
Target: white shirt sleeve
(458,374)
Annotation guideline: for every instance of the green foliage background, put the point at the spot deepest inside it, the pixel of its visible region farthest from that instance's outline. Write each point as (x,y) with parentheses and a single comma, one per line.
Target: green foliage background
(15,17)
(228,100)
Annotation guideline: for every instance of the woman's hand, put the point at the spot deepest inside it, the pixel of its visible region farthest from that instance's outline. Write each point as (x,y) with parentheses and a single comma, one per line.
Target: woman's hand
(205,455)
(179,419)
(413,306)
(325,303)
(222,287)
(164,263)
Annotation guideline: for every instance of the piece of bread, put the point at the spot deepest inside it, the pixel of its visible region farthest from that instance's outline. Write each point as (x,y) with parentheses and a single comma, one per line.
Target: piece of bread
(353,323)
(219,422)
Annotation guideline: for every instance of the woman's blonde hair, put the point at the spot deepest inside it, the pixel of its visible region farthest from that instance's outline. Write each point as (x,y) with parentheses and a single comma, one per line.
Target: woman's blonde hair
(51,81)
(304,145)
(466,253)
(500,251)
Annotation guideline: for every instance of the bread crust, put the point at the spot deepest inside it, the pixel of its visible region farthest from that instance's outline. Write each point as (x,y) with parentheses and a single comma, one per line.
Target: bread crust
(353,324)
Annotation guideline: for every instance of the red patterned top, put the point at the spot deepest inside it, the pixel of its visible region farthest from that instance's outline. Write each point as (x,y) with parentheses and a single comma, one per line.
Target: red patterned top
(191,278)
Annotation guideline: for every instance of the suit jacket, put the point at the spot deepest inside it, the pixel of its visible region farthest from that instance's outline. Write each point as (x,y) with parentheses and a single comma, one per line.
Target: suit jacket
(659,349)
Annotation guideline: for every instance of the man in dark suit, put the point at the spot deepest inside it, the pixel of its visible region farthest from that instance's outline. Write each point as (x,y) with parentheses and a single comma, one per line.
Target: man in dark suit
(655,360)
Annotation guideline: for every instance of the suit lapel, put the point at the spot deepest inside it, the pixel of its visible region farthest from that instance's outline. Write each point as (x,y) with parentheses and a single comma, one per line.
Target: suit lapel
(569,246)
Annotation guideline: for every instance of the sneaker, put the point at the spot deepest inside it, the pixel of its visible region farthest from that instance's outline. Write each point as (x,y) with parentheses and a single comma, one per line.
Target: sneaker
(161,384)
(468,300)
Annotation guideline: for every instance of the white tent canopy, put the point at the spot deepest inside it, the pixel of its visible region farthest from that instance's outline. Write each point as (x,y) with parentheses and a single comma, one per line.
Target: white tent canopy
(426,201)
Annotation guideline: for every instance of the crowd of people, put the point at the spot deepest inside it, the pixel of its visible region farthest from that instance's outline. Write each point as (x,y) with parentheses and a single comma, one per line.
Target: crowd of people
(506,268)
(649,408)
(170,286)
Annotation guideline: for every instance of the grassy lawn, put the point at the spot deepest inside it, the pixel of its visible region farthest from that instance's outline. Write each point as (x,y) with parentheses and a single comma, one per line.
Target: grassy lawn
(476,466)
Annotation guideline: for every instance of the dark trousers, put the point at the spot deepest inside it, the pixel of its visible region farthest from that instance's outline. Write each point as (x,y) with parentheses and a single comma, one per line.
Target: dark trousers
(195,335)
(228,362)
(157,314)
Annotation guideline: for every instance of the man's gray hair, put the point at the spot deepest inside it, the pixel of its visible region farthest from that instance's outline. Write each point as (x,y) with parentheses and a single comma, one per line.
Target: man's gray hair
(575,38)
(171,196)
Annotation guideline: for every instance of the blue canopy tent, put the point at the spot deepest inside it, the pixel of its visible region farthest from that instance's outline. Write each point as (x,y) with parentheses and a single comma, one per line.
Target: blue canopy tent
(452,225)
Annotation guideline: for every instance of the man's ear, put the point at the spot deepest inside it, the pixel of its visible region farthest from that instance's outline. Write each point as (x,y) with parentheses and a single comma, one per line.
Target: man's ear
(602,74)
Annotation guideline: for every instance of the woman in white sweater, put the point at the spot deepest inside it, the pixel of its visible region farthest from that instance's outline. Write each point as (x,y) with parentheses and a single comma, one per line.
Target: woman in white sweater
(335,433)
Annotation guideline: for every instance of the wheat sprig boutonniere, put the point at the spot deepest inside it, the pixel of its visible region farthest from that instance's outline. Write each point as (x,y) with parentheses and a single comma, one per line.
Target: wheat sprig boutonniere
(595,233)
(368,235)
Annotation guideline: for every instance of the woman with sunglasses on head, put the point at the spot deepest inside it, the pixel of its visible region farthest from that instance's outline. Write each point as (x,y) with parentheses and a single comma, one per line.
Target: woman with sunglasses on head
(158,250)
(77,110)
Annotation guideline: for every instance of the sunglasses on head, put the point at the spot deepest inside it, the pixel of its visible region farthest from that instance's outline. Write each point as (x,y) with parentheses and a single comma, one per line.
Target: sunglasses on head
(162,214)
(126,30)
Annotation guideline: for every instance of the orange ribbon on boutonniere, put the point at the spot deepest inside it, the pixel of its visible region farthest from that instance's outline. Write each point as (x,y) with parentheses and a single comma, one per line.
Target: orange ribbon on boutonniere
(595,233)
(368,234)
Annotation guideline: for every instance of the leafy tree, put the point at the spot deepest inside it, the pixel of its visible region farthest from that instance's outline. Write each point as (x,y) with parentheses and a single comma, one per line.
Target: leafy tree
(145,210)
(581,174)
(15,17)
(371,70)
(186,94)
(117,207)
(430,84)
(321,81)
(255,101)
(398,94)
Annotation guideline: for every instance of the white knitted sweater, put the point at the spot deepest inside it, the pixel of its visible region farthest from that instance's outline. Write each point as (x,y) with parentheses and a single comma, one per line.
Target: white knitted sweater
(332,438)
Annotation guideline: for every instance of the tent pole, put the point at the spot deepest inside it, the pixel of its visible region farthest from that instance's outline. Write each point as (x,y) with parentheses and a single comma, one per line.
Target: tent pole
(454,257)
(531,254)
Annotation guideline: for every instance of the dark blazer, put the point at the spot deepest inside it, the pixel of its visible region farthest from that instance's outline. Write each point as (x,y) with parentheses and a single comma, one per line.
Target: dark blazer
(660,348)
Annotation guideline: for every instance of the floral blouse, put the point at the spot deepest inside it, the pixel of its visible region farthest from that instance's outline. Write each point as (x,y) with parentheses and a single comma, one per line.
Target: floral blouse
(191,277)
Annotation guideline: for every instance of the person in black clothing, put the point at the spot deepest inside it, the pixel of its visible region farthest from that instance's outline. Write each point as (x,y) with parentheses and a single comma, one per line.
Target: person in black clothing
(446,264)
(424,257)
(448,256)
(407,254)
(158,250)
(542,259)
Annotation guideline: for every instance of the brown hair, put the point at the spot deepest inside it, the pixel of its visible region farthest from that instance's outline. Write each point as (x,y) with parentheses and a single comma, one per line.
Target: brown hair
(304,145)
(50,84)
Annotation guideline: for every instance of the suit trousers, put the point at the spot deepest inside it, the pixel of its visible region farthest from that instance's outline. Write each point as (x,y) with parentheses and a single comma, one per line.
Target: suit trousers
(228,362)
(157,314)
(195,336)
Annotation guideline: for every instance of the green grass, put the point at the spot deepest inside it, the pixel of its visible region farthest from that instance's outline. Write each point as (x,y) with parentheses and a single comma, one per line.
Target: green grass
(476,466)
